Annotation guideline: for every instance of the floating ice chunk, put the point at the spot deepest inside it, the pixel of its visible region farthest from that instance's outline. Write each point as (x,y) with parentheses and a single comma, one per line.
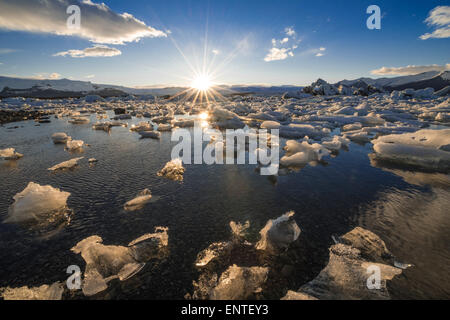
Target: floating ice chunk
(345,277)
(66,164)
(173,170)
(93,160)
(225,119)
(142,126)
(44,292)
(79,120)
(352,127)
(60,138)
(239,283)
(358,136)
(150,134)
(278,234)
(139,202)
(270,125)
(10,154)
(105,126)
(73,145)
(336,143)
(300,154)
(36,202)
(428,149)
(295,130)
(164,127)
(104,263)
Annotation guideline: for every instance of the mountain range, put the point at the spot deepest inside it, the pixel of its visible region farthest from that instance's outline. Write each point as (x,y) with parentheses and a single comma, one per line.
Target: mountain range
(65,88)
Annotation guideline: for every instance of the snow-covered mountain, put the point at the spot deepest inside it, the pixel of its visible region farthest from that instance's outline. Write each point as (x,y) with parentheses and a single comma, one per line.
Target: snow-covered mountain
(434,79)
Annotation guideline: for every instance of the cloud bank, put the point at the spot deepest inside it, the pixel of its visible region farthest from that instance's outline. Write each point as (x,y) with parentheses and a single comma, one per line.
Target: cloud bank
(409,70)
(99,23)
(439,18)
(95,51)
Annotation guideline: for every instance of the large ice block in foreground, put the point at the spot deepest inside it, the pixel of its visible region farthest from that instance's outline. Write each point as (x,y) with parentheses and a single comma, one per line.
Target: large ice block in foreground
(36,202)
(173,170)
(10,154)
(139,202)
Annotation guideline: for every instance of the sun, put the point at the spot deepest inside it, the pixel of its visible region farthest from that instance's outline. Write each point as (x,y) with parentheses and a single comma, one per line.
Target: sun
(202,83)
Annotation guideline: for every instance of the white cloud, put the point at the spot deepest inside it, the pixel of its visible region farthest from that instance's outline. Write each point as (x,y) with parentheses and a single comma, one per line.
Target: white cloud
(215,51)
(280,50)
(290,31)
(278,54)
(410,70)
(319,54)
(44,76)
(95,51)
(439,18)
(99,23)
(90,76)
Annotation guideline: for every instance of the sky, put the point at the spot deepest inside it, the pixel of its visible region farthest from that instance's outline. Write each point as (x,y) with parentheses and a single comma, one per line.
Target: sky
(160,43)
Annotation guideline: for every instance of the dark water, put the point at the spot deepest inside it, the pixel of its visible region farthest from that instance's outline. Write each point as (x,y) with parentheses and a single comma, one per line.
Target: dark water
(411,217)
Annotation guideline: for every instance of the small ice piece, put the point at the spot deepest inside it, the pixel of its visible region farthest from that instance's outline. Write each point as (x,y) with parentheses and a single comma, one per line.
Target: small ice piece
(93,160)
(73,145)
(60,138)
(107,262)
(66,164)
(79,120)
(352,127)
(300,154)
(141,126)
(150,134)
(278,234)
(239,283)
(173,170)
(164,127)
(336,143)
(270,125)
(139,202)
(36,202)
(10,154)
(105,126)
(44,292)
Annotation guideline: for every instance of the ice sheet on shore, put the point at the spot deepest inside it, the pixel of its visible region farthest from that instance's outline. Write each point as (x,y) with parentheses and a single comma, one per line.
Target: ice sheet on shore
(173,170)
(107,262)
(66,164)
(37,202)
(139,202)
(428,149)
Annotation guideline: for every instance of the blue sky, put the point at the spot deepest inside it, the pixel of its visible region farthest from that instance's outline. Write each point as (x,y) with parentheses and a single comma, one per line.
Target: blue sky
(331,41)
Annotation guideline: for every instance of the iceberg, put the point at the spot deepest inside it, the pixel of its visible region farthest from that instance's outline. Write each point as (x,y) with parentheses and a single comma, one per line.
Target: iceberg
(429,149)
(107,262)
(37,202)
(66,164)
(139,202)
(173,170)
(278,234)
(60,138)
(10,154)
(346,275)
(44,292)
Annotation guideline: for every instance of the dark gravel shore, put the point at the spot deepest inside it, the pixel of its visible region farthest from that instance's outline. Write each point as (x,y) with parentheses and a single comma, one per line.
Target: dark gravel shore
(7,116)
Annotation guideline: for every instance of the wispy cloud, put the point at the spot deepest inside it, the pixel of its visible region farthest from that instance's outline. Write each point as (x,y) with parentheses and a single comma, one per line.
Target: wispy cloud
(90,76)
(280,50)
(439,18)
(409,70)
(99,23)
(45,75)
(93,52)
(7,50)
